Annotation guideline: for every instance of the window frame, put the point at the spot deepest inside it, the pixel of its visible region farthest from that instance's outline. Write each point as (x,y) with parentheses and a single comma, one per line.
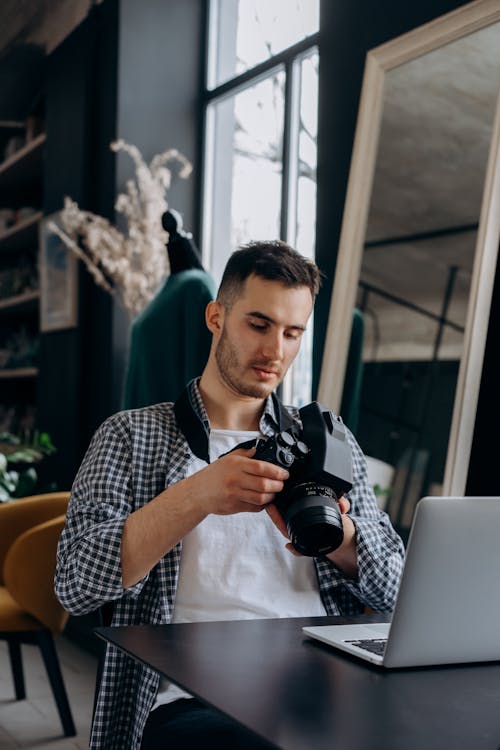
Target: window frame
(289,60)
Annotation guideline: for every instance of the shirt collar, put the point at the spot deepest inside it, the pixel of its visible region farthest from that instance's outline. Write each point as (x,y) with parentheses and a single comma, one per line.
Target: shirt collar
(269,421)
(197,402)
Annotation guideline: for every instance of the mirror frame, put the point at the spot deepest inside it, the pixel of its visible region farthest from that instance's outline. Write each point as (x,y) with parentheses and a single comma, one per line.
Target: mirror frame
(379,61)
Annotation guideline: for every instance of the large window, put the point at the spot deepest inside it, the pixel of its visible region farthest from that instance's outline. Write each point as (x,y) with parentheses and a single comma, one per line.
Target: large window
(260,146)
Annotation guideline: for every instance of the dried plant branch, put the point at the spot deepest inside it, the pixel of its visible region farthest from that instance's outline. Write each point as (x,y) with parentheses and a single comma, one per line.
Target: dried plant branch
(135,263)
(75,248)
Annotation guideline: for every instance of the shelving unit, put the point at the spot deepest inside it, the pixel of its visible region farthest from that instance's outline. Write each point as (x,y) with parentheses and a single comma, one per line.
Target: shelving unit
(20,302)
(21,187)
(19,373)
(21,235)
(21,175)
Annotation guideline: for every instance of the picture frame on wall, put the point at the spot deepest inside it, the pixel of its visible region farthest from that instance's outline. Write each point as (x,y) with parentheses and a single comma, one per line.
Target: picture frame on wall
(58,280)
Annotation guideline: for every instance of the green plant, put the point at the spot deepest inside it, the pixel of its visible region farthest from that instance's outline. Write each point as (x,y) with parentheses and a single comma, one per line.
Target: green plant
(384,493)
(18,457)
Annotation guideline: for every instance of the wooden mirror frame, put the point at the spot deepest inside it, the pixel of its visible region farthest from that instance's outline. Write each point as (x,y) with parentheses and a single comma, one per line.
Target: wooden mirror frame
(379,61)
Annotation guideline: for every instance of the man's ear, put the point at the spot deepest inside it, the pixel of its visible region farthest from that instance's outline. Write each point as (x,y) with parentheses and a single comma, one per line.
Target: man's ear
(214,317)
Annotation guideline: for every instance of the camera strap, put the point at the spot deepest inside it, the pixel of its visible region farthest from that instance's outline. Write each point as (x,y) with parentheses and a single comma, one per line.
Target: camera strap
(197,432)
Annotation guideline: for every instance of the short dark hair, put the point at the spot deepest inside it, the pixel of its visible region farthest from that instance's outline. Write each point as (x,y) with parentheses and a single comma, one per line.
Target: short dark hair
(271,260)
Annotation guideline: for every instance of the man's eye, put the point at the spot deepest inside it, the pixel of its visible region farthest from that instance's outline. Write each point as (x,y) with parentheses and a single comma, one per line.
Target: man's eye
(293,335)
(258,326)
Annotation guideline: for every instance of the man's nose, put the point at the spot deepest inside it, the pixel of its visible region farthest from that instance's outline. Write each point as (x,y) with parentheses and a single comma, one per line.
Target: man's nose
(273,347)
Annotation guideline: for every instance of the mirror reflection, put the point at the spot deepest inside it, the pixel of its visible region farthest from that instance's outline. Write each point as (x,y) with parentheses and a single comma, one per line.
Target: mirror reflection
(417,264)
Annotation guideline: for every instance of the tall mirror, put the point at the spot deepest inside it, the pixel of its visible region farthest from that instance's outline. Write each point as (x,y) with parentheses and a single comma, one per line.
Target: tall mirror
(417,256)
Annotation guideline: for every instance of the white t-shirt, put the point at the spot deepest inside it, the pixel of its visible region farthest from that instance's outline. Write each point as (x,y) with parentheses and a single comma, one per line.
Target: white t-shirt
(236,567)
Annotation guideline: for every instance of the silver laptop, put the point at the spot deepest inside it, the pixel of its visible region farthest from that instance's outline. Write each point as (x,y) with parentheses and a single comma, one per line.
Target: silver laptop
(448,604)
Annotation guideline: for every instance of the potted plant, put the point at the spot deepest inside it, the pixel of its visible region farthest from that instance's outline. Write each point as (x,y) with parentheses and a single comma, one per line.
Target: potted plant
(18,460)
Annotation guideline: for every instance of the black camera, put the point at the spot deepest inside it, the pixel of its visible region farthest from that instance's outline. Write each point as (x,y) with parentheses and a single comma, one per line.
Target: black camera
(318,458)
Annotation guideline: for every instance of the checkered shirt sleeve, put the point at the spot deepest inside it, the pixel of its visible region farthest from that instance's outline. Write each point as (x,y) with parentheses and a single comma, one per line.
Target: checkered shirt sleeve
(88,569)
(380,553)
(133,456)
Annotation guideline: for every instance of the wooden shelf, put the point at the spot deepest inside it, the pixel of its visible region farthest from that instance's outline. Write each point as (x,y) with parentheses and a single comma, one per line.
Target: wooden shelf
(20,303)
(21,236)
(30,148)
(14,125)
(21,187)
(21,175)
(19,373)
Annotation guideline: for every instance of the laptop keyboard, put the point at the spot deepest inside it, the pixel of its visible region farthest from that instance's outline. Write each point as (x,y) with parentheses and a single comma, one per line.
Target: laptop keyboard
(374,645)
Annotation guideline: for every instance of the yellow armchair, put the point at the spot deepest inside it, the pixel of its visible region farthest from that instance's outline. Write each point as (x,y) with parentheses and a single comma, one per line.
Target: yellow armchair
(29,610)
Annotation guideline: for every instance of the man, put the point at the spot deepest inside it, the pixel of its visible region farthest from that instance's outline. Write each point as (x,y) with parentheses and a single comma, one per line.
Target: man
(170,532)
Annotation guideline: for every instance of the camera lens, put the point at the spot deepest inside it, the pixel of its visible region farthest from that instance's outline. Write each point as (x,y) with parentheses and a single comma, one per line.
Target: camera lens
(315,534)
(313,520)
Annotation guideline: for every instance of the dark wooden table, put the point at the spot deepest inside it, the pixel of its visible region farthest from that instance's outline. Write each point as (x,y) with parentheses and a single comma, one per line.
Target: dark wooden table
(301,695)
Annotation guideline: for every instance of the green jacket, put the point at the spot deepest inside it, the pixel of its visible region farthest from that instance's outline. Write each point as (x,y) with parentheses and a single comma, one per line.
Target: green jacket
(169,340)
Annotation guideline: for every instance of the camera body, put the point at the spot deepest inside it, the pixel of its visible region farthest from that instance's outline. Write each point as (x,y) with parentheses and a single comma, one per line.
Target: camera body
(318,459)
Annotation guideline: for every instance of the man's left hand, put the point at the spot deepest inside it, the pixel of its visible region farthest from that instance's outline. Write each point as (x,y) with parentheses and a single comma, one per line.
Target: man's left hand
(344,556)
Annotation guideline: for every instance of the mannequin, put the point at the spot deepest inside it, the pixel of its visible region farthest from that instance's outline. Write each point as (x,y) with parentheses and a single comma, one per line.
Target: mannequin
(182,252)
(169,341)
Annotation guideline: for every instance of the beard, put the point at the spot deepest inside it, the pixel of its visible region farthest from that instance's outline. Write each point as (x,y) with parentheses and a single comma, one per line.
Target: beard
(232,370)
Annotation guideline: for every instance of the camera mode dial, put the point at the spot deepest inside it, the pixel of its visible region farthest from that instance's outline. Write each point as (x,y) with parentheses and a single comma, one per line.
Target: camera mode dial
(284,445)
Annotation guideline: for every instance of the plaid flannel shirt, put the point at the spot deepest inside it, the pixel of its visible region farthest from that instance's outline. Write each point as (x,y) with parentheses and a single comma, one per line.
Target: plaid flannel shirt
(132,458)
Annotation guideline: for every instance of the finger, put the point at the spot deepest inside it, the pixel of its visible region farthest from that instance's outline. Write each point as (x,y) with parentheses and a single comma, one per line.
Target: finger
(241,506)
(255,483)
(249,507)
(278,520)
(345,505)
(292,549)
(248,452)
(266,469)
(261,499)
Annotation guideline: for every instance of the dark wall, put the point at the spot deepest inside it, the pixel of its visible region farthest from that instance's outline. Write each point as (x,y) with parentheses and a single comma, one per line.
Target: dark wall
(132,71)
(160,78)
(74,386)
(347,31)
(483,477)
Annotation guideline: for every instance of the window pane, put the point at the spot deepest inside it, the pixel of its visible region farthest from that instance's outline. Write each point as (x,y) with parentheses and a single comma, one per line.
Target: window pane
(247,32)
(399,271)
(302,210)
(394,332)
(305,226)
(246,143)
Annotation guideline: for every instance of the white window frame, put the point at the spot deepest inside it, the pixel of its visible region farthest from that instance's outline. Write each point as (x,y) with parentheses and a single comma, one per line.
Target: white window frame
(289,60)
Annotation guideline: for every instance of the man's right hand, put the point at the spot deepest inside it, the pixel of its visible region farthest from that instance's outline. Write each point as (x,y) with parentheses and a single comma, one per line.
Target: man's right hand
(236,483)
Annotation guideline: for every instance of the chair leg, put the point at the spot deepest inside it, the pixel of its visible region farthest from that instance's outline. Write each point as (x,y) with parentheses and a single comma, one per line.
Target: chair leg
(51,661)
(16,663)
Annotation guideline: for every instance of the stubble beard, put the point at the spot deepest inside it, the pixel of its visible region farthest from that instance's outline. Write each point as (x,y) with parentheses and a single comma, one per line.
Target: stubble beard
(229,365)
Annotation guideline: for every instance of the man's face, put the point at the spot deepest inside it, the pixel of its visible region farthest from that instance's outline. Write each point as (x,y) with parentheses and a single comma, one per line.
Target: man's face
(261,336)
